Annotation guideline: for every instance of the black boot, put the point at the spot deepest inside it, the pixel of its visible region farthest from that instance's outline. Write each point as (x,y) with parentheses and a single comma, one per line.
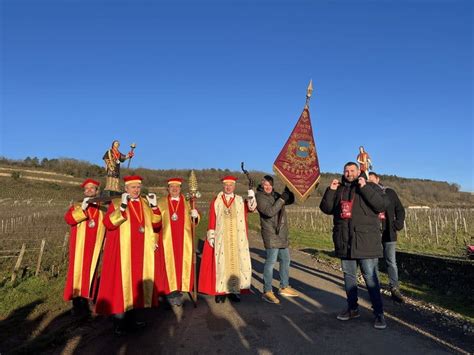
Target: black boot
(220,298)
(234,297)
(76,307)
(85,307)
(120,324)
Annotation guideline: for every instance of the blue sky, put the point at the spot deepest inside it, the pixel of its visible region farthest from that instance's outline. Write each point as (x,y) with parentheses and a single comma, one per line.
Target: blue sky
(201,84)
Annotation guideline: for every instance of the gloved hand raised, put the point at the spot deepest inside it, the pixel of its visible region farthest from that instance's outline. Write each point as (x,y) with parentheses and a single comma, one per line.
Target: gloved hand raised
(151,198)
(194,213)
(285,196)
(250,194)
(124,202)
(85,203)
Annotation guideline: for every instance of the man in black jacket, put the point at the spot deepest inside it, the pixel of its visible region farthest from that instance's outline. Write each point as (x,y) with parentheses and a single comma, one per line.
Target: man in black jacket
(355,205)
(392,222)
(274,226)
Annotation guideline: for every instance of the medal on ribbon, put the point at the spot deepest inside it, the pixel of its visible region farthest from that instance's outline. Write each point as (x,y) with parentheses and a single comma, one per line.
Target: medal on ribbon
(141,229)
(174,215)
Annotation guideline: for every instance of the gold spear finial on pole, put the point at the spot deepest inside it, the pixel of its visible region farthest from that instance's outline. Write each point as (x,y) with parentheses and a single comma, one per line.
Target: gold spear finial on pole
(309,92)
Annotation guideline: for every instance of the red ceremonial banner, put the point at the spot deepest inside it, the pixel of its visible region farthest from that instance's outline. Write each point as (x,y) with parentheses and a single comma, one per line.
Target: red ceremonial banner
(297,164)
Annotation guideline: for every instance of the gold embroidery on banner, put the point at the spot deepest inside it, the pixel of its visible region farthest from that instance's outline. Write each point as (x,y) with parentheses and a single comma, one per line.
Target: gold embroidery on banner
(293,188)
(297,162)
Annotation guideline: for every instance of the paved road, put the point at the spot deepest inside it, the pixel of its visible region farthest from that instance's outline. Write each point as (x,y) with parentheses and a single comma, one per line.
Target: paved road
(303,325)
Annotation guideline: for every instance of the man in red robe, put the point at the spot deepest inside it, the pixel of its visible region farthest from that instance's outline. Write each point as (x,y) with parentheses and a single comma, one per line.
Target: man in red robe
(175,245)
(226,269)
(128,278)
(85,245)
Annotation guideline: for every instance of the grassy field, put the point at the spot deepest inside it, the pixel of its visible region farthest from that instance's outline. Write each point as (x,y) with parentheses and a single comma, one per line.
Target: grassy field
(434,231)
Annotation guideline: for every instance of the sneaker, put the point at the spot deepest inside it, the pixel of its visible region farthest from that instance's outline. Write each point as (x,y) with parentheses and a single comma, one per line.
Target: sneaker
(380,322)
(397,296)
(288,292)
(348,314)
(270,297)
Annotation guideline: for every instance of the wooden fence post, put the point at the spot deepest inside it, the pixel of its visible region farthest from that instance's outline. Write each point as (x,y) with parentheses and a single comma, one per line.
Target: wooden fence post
(66,236)
(18,262)
(38,265)
(431,226)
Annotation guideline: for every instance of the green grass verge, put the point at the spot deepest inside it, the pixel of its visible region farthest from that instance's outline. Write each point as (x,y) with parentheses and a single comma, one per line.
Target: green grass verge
(46,293)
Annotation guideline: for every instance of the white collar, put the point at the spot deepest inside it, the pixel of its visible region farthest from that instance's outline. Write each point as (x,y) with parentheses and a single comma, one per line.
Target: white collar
(228,196)
(175,198)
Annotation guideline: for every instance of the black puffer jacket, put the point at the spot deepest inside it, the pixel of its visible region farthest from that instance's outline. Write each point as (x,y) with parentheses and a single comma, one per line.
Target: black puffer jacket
(273,221)
(394,214)
(359,237)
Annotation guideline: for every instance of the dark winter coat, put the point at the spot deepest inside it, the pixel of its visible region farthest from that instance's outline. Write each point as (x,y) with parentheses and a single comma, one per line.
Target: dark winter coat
(394,214)
(273,220)
(359,237)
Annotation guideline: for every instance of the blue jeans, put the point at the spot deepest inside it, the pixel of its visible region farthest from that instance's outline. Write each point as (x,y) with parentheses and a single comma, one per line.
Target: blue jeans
(369,272)
(389,251)
(272,255)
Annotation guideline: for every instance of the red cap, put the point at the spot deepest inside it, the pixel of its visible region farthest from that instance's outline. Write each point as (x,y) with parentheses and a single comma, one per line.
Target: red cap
(90,181)
(177,181)
(132,179)
(229,178)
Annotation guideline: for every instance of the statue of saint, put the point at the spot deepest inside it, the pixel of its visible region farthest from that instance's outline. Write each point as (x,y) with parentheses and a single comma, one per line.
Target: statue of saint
(364,161)
(112,159)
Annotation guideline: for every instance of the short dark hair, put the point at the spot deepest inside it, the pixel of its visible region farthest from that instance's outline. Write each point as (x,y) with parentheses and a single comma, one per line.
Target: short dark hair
(350,163)
(374,174)
(269,179)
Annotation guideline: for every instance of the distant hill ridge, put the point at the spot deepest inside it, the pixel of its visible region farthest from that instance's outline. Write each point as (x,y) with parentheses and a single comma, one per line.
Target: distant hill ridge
(52,173)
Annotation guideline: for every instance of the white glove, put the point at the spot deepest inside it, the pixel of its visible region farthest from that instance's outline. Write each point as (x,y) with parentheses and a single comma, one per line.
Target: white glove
(151,199)
(251,194)
(252,204)
(124,202)
(85,203)
(194,213)
(155,247)
(211,234)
